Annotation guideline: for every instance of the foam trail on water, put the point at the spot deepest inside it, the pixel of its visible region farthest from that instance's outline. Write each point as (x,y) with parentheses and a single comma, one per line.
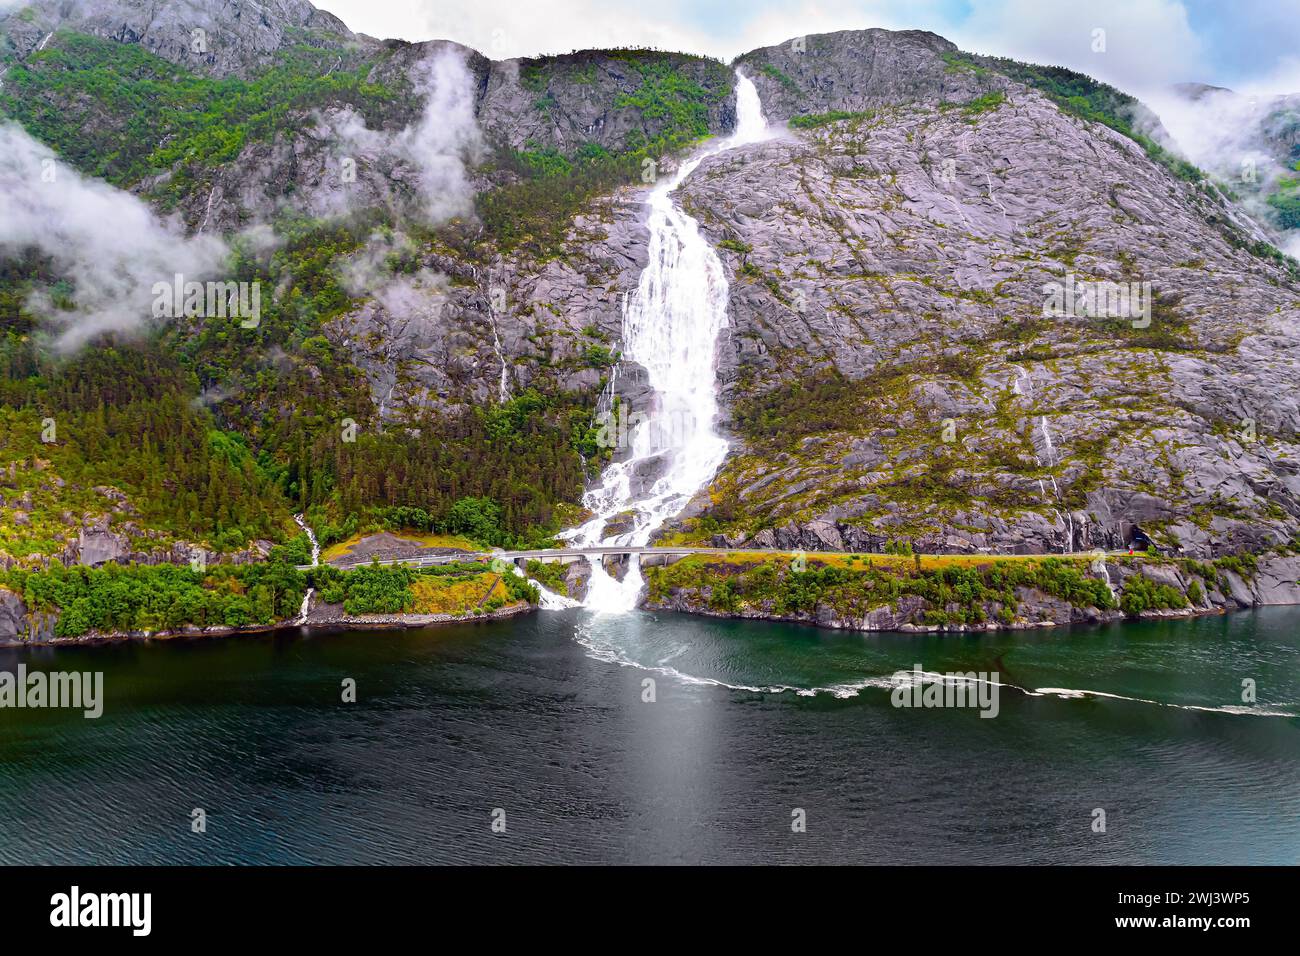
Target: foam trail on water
(670,327)
(601,648)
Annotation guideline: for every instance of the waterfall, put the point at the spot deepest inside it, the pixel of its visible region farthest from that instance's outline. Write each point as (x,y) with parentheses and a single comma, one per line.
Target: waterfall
(1051,462)
(1099,566)
(503,384)
(315,560)
(670,327)
(1021,376)
(1067,519)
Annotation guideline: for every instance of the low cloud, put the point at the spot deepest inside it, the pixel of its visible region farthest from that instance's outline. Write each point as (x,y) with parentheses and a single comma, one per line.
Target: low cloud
(419,297)
(371,268)
(447,136)
(419,294)
(1132,44)
(440,147)
(105,243)
(1216,129)
(1237,137)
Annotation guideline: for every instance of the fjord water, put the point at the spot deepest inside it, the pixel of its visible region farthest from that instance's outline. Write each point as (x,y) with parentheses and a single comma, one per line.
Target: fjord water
(545,718)
(670,328)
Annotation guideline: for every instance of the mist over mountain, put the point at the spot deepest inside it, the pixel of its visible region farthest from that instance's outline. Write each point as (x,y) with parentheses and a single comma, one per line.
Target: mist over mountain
(445,243)
(1248,141)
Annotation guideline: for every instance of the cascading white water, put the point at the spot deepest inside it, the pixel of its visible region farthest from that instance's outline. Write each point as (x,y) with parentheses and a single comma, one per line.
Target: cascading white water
(670,327)
(1067,518)
(315,560)
(1051,462)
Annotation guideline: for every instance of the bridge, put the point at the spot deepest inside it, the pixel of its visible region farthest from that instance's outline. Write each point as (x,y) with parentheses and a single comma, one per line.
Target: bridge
(650,556)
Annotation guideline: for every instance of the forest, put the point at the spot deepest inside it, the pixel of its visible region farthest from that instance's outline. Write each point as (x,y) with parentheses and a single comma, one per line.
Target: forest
(162,597)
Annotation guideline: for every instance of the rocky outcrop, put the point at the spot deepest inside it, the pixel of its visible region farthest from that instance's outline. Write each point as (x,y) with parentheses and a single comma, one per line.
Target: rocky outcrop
(99,541)
(322,615)
(588,99)
(20,625)
(231,37)
(904,261)
(459,335)
(1274,581)
(856,70)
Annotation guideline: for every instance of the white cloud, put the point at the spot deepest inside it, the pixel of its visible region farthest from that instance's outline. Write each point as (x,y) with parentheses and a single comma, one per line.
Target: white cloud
(1282,79)
(441,145)
(107,243)
(446,137)
(502,29)
(1147,43)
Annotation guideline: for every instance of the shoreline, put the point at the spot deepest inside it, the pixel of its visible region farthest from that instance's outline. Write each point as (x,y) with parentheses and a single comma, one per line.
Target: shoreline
(323,623)
(399,622)
(837,624)
(710,587)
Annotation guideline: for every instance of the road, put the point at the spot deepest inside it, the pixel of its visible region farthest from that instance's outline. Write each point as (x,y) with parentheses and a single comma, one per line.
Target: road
(572,554)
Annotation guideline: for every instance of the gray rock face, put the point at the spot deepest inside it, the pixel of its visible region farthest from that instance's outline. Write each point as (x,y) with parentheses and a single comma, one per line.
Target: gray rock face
(566,102)
(221,38)
(100,547)
(1277,582)
(910,256)
(458,334)
(19,625)
(858,70)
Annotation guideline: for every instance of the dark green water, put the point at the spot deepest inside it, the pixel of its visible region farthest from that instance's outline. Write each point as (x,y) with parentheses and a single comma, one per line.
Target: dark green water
(544,718)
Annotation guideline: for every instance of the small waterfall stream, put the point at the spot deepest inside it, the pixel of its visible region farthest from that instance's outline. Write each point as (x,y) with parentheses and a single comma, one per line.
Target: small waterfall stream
(301,522)
(1068,519)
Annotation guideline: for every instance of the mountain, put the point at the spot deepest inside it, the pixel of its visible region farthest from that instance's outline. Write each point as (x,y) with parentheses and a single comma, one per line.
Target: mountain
(446,243)
(230,37)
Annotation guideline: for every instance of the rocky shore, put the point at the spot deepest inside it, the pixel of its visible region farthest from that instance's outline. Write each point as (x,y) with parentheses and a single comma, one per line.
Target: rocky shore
(1172,590)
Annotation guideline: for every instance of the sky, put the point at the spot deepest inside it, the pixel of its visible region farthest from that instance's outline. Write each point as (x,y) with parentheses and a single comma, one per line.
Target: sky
(1249,45)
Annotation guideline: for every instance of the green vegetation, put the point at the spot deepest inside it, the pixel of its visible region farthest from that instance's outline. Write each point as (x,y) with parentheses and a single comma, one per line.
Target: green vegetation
(1285,201)
(735,245)
(458,588)
(767,69)
(670,96)
(811,120)
(953,594)
(148,598)
(549,188)
(116,111)
(1168,331)
(162,597)
(1143,594)
(985,103)
(125,417)
(824,400)
(271,441)
(551,575)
